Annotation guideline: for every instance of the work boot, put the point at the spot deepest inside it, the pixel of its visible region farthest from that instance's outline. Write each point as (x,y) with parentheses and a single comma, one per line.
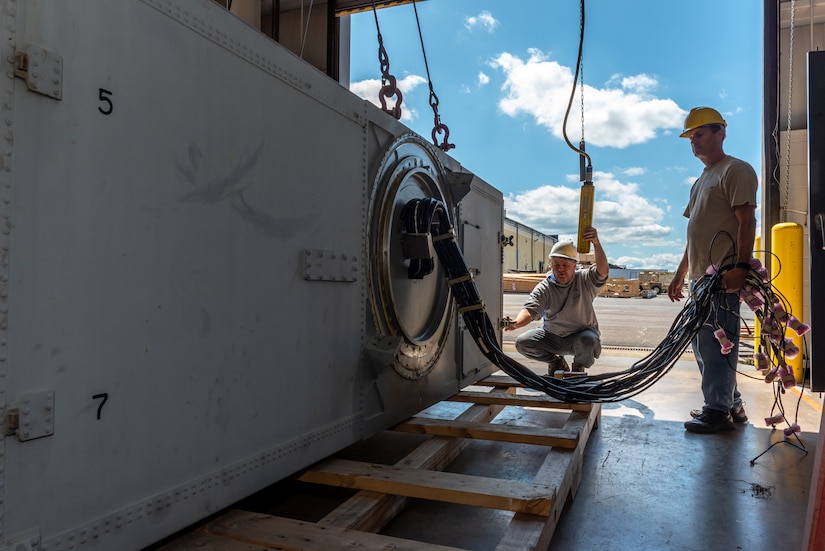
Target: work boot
(709,421)
(557,364)
(736,413)
(578,368)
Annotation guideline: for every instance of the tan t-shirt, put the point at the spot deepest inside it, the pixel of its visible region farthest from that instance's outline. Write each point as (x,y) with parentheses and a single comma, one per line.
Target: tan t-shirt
(712,224)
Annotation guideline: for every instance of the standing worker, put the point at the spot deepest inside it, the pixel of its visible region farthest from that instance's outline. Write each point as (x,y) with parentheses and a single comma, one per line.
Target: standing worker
(721,229)
(565,300)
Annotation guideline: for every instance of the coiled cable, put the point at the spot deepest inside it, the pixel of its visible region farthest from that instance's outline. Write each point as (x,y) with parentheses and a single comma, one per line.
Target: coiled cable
(431,216)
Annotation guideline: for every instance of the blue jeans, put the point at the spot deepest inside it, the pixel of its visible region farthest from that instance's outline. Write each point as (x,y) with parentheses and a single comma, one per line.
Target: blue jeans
(543,346)
(719,370)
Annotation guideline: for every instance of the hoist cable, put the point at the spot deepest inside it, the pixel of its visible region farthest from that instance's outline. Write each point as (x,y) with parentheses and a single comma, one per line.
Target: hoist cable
(438,126)
(306,28)
(573,93)
(786,188)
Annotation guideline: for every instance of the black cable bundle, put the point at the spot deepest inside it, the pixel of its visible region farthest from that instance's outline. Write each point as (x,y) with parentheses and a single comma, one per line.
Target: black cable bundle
(424,215)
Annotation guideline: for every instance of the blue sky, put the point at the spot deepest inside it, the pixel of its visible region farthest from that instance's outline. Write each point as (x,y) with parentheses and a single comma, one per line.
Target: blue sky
(503,72)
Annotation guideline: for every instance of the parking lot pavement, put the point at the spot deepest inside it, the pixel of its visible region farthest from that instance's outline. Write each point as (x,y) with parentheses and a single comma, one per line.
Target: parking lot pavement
(623,322)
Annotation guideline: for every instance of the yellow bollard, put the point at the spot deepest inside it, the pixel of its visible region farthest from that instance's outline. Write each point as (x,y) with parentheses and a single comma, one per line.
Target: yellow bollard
(759,254)
(786,273)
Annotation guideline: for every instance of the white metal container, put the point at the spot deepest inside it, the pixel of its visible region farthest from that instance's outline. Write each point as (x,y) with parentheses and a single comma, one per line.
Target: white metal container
(202,285)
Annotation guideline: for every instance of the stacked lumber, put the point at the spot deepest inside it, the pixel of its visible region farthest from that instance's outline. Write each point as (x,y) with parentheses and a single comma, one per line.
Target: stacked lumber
(520,283)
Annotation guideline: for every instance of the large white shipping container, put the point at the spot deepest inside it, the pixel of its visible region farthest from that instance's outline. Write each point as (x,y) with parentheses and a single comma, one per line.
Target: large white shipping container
(203,285)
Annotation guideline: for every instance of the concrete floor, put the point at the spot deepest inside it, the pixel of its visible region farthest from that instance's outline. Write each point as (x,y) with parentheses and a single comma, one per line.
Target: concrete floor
(648,484)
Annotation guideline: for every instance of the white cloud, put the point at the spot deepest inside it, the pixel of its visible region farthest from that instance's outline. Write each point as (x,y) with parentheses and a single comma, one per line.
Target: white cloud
(664,261)
(614,116)
(640,84)
(485,20)
(483,79)
(370,90)
(620,213)
(634,171)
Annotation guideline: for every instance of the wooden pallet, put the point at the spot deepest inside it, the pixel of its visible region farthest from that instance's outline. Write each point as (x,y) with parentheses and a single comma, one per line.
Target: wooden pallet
(381,491)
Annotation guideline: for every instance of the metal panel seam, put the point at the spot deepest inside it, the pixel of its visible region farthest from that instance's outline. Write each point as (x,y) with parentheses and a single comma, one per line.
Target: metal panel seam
(229,41)
(96,530)
(8,24)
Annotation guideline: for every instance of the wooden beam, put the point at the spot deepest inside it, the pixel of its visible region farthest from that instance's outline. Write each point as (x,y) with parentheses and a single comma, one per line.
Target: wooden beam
(538,401)
(293,535)
(542,436)
(371,511)
(539,531)
(508,495)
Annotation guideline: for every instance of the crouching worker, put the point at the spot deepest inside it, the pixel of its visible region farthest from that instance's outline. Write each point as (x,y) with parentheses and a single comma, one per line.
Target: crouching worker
(564,299)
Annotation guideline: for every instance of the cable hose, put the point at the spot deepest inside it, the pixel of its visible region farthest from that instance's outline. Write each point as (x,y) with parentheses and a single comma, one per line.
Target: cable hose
(430,216)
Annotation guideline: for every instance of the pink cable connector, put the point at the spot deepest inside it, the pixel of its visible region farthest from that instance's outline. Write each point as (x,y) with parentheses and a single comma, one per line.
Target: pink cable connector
(785,375)
(760,361)
(797,326)
(775,420)
(790,349)
(751,297)
(722,337)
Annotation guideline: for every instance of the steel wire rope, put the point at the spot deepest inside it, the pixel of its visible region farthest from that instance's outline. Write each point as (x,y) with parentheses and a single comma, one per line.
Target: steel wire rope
(438,126)
(573,92)
(306,28)
(388,81)
(786,188)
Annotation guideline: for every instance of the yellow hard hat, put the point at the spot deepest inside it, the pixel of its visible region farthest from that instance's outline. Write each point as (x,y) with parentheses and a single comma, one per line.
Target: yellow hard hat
(701,116)
(564,249)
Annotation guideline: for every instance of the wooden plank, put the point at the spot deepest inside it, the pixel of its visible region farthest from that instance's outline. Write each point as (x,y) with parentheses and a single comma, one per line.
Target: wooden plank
(294,535)
(538,401)
(210,542)
(542,436)
(499,381)
(371,511)
(563,470)
(536,499)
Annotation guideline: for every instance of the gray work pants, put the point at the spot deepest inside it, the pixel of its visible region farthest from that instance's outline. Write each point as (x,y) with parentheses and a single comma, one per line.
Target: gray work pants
(541,345)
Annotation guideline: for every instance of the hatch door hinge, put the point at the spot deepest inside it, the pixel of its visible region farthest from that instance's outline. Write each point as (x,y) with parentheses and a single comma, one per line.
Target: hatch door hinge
(31,417)
(42,71)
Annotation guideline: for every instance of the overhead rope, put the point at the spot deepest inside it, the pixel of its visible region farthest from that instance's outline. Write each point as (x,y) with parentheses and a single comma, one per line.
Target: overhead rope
(388,82)
(786,188)
(438,126)
(579,150)
(306,28)
(587,197)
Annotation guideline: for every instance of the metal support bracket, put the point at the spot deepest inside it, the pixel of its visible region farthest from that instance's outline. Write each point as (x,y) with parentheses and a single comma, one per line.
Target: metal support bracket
(32,417)
(460,184)
(382,352)
(27,541)
(42,71)
(330,266)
